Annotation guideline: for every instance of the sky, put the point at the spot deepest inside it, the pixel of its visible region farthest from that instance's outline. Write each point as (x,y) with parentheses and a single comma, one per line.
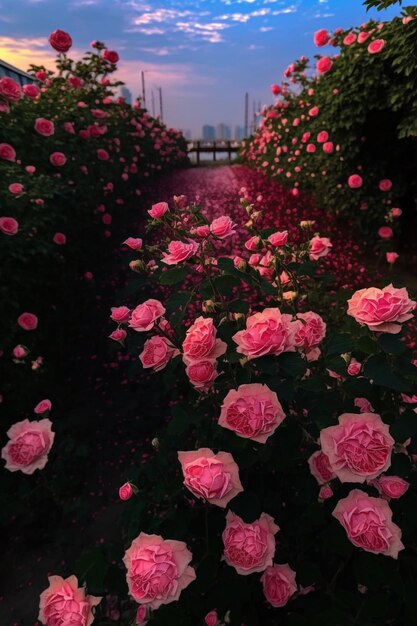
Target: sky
(205,54)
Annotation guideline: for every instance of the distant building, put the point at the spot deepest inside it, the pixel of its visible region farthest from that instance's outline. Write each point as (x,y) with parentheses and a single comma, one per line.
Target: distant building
(126,94)
(23,78)
(209,133)
(223,132)
(239,133)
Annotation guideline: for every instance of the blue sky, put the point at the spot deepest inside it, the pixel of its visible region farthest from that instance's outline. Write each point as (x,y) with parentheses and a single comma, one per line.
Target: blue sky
(204,53)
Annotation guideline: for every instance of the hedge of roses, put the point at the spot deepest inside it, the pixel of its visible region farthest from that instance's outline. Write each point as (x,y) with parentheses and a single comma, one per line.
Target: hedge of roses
(347,132)
(74,161)
(281,487)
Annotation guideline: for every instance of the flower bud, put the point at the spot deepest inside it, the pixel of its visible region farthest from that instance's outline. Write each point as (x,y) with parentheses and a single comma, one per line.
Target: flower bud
(155,443)
(137,266)
(126,492)
(208,306)
(211,619)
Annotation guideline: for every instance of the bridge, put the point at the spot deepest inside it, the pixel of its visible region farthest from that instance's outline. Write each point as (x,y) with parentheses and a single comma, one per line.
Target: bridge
(213,147)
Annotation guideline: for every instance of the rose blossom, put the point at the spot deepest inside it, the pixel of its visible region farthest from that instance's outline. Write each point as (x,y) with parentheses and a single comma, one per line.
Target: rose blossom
(111,56)
(10,89)
(323,136)
(328,147)
(133,243)
(252,411)
(9,226)
(29,445)
(209,476)
(320,467)
(279,584)
(157,569)
(200,342)
(252,243)
(60,239)
(64,603)
(324,65)
(16,188)
(276,90)
(382,310)
(354,368)
(319,247)
(278,238)
(158,210)
(355,181)
(125,492)
(179,251)
(364,405)
(7,152)
(20,352)
(363,36)
(141,615)
(44,127)
(376,46)
(27,321)
(385,232)
(211,619)
(120,314)
(31,91)
(222,227)
(145,315)
(390,256)
(118,335)
(202,374)
(249,547)
(391,486)
(368,523)
(157,352)
(349,39)
(266,333)
(58,159)
(60,40)
(325,492)
(309,330)
(321,37)
(43,406)
(359,448)
(385,184)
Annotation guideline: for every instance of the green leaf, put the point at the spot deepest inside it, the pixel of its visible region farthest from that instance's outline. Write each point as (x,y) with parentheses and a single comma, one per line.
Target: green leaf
(339,344)
(292,364)
(173,276)
(380,373)
(405,426)
(392,343)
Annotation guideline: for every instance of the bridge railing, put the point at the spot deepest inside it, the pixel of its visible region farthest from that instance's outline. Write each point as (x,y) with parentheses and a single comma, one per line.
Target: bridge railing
(214,147)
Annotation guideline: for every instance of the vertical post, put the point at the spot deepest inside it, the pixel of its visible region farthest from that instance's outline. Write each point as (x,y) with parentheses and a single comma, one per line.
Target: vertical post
(198,153)
(214,150)
(143,90)
(246,113)
(229,146)
(254,116)
(161,110)
(153,104)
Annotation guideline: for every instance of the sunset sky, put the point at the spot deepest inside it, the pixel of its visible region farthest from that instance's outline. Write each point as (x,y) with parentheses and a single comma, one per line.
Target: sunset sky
(204,53)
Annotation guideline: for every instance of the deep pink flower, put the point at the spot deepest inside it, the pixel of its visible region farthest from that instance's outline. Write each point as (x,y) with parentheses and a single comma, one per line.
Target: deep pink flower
(279,584)
(60,40)
(9,226)
(63,602)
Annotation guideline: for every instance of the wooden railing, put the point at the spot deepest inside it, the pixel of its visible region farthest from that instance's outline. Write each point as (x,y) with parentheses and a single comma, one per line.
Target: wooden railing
(214,147)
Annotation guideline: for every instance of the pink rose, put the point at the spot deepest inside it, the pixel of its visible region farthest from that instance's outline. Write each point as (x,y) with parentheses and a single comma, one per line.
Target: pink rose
(222,227)
(328,147)
(320,467)
(158,210)
(251,411)
(60,40)
(359,448)
(200,342)
(9,226)
(364,405)
(279,584)
(27,321)
(385,184)
(157,352)
(209,476)
(382,310)
(31,91)
(391,486)
(141,615)
(118,335)
(355,181)
(311,148)
(354,368)
(58,159)
(133,243)
(179,251)
(29,445)
(60,239)
(43,406)
(211,619)
(120,314)
(385,232)
(376,46)
(309,330)
(249,547)
(349,39)
(102,154)
(202,374)
(20,352)
(16,188)
(319,247)
(325,492)
(390,256)
(10,89)
(157,570)
(44,127)
(324,65)
(276,90)
(7,152)
(111,56)
(396,212)
(64,603)
(75,82)
(363,36)
(323,136)
(266,333)
(279,238)
(125,492)
(321,37)
(145,315)
(368,523)
(252,243)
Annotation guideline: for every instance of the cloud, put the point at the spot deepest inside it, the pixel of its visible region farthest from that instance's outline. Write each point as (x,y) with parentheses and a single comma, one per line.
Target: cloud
(266,29)
(31,50)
